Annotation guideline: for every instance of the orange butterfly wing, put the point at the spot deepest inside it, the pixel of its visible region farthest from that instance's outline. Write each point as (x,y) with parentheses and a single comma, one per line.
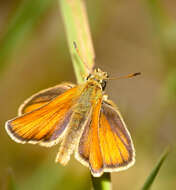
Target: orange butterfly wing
(106,145)
(115,141)
(44,125)
(43,97)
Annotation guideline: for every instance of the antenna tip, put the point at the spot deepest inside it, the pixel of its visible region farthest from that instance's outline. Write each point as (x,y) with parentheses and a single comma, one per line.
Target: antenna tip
(138,73)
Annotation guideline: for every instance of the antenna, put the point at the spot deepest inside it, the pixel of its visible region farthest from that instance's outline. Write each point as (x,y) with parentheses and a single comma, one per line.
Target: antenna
(126,76)
(79,54)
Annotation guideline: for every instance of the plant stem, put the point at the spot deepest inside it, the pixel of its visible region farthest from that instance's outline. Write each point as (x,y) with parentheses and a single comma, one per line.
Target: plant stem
(77,30)
(102,183)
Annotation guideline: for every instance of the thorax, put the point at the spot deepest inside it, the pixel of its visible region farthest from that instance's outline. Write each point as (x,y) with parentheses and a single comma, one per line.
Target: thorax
(90,93)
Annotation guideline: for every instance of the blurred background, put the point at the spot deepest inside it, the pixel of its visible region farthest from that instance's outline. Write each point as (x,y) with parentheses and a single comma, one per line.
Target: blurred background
(129,36)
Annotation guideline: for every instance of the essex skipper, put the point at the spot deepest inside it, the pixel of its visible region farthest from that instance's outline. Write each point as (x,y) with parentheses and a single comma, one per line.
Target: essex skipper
(82,120)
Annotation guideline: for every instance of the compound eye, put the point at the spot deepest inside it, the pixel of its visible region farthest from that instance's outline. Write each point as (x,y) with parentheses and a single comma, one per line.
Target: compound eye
(88,76)
(103,85)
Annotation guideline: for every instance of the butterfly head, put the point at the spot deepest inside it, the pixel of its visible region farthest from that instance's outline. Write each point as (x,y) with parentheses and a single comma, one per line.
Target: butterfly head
(99,76)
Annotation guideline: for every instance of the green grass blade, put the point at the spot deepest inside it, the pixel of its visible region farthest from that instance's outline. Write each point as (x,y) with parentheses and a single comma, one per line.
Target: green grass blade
(154,172)
(77,30)
(21,24)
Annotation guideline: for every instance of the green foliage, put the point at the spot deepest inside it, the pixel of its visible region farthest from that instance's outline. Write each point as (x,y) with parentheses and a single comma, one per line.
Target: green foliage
(154,172)
(21,25)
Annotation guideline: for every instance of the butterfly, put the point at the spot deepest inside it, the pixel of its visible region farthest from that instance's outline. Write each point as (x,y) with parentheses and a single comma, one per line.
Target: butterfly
(82,120)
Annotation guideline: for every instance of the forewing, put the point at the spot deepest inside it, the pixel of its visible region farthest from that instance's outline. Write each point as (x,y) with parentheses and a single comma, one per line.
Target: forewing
(43,97)
(114,139)
(45,125)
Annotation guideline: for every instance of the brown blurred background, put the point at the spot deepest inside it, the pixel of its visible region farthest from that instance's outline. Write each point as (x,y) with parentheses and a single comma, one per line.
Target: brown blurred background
(129,36)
